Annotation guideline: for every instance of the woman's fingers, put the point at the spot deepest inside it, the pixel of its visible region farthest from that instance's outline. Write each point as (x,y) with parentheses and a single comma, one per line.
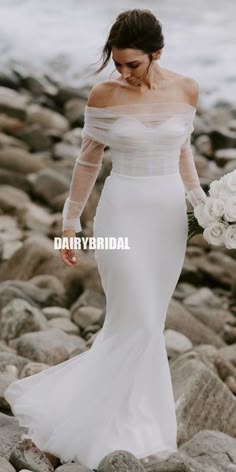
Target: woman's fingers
(69,257)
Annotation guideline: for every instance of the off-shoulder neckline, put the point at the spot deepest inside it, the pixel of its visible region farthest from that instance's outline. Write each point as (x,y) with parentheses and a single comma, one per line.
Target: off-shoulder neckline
(184,104)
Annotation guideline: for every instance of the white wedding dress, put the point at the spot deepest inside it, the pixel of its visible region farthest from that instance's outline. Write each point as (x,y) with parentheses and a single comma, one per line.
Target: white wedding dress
(118,394)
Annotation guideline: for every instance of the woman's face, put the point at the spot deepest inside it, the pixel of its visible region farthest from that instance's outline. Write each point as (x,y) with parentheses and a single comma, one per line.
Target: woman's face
(131,63)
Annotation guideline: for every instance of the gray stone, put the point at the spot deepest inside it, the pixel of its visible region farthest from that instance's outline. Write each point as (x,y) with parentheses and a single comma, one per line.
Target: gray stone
(202,400)
(120,461)
(20,160)
(6,466)
(19,317)
(25,454)
(10,433)
(51,347)
(179,319)
(176,342)
(213,450)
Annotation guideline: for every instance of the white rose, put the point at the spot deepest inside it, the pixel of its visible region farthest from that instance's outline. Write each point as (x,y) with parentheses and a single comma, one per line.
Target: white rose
(230,209)
(199,215)
(215,233)
(230,237)
(210,211)
(229,183)
(216,188)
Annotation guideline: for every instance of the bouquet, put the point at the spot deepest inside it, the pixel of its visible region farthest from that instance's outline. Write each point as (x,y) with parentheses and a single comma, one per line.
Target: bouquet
(216,217)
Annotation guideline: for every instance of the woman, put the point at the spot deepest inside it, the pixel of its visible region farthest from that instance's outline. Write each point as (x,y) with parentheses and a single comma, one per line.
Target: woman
(118,395)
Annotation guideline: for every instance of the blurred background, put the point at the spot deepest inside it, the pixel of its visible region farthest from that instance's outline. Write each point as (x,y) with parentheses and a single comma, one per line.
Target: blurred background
(63,38)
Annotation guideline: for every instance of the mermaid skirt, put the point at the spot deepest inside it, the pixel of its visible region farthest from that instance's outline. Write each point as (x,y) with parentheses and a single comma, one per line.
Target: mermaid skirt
(118,394)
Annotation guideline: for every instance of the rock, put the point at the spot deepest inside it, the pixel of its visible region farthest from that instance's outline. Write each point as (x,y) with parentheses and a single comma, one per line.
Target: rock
(176,343)
(13,103)
(202,400)
(47,119)
(10,141)
(182,290)
(69,467)
(229,353)
(74,112)
(204,146)
(223,138)
(11,358)
(179,319)
(66,92)
(92,298)
(73,137)
(222,156)
(37,218)
(10,433)
(41,296)
(6,378)
(32,368)
(13,200)
(48,183)
(120,460)
(19,317)
(50,282)
(218,267)
(65,325)
(52,346)
(9,124)
(19,160)
(39,85)
(34,258)
(86,315)
(211,449)
(52,312)
(35,137)
(27,455)
(209,308)
(6,466)
(65,151)
(14,179)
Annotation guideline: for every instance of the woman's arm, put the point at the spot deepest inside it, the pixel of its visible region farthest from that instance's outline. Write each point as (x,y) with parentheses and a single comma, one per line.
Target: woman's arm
(85,172)
(194,192)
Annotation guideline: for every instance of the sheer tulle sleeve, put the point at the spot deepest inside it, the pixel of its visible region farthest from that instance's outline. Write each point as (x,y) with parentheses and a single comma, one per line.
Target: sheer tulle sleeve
(194,192)
(86,170)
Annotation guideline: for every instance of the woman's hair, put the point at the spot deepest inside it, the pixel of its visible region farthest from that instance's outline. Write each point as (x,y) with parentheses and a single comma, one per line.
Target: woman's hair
(138,29)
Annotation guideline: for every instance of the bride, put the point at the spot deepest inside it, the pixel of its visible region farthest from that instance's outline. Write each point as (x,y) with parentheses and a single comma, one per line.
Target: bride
(118,394)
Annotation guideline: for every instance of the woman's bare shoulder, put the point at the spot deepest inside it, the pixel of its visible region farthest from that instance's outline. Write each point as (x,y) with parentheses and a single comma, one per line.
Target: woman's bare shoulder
(101,94)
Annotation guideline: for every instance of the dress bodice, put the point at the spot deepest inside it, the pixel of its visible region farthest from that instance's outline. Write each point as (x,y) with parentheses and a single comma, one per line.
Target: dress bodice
(145,139)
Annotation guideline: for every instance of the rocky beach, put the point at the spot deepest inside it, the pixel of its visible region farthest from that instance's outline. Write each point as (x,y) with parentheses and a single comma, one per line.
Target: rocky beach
(50,312)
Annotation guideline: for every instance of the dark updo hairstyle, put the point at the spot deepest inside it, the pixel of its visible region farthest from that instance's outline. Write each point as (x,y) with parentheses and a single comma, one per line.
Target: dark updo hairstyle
(138,29)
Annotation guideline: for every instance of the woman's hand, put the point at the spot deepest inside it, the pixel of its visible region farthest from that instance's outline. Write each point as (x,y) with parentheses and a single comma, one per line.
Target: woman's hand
(68,256)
